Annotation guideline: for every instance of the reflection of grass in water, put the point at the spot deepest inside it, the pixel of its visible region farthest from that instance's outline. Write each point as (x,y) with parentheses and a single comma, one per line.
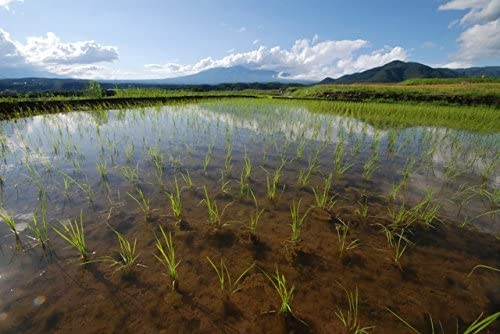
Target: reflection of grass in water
(424,211)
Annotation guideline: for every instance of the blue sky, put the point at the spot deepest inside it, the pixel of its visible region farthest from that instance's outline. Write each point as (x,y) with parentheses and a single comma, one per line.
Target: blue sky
(306,39)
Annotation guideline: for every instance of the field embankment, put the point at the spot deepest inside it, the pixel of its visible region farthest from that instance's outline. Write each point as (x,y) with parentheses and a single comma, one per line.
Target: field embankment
(431,91)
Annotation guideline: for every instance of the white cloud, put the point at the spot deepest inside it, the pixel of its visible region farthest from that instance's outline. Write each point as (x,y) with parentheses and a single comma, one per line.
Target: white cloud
(49,49)
(480,41)
(241,29)
(256,41)
(306,59)
(9,55)
(6,3)
(455,64)
(480,38)
(478,10)
(49,53)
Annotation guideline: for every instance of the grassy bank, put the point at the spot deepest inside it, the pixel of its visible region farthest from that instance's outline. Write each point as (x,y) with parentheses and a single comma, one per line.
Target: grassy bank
(397,114)
(424,90)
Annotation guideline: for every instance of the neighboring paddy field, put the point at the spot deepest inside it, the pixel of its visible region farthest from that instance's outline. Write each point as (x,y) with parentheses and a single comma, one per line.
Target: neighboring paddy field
(251,215)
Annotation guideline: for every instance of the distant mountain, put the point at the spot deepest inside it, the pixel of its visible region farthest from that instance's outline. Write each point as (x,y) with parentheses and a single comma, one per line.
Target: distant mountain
(222,75)
(25,72)
(487,71)
(27,85)
(395,71)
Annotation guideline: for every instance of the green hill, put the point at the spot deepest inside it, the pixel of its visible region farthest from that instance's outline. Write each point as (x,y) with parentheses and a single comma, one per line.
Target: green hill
(398,71)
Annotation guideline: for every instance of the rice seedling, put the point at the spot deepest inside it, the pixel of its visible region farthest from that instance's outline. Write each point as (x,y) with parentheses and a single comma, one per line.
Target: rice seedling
(73,233)
(477,326)
(490,167)
(247,170)
(214,218)
(158,161)
(401,216)
(323,199)
(102,169)
(300,149)
(129,153)
(224,277)
(362,209)
(340,166)
(167,256)
(370,166)
(391,141)
(479,266)
(297,220)
(272,183)
(408,168)
(131,174)
(286,295)
(127,254)
(225,185)
(304,177)
(399,248)
(40,231)
(426,211)
(344,245)
(350,318)
(176,201)
(228,159)
(245,187)
(208,158)
(9,221)
(188,180)
(84,187)
(313,162)
(143,202)
(255,218)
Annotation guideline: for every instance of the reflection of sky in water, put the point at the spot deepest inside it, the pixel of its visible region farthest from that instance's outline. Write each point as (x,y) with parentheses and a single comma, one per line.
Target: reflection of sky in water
(55,142)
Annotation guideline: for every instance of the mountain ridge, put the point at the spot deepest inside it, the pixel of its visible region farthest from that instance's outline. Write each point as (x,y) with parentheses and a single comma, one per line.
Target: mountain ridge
(399,71)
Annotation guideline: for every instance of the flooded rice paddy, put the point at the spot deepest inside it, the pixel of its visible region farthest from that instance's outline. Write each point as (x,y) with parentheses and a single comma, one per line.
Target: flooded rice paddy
(254,198)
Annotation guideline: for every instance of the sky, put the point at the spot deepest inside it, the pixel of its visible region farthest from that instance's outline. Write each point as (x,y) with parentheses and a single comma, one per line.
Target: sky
(304,39)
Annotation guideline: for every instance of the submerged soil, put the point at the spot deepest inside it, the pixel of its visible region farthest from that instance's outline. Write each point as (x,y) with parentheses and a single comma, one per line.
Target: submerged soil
(432,279)
(50,291)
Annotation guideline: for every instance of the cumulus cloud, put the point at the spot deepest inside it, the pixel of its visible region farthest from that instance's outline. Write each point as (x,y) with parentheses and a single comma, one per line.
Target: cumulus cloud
(478,10)
(6,3)
(306,59)
(9,55)
(480,38)
(49,49)
(49,53)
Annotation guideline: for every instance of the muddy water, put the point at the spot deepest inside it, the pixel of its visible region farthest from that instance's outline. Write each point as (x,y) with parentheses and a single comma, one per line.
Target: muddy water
(94,163)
